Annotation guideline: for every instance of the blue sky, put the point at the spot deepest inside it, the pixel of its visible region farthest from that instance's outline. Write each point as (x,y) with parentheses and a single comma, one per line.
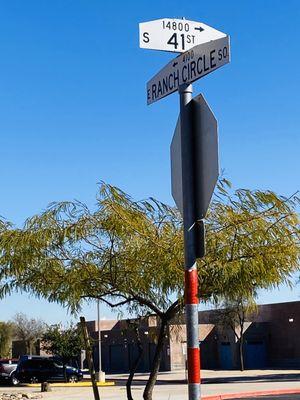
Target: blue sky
(73,106)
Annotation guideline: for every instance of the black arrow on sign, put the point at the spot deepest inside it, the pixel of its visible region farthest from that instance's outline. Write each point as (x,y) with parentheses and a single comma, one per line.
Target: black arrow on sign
(200,29)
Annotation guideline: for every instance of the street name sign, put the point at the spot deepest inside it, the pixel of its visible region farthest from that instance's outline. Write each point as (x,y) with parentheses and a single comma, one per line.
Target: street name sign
(175,35)
(188,67)
(205,159)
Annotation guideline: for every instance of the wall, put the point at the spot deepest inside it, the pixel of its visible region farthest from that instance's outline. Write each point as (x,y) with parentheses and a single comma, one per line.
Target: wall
(271,340)
(284,328)
(119,349)
(208,346)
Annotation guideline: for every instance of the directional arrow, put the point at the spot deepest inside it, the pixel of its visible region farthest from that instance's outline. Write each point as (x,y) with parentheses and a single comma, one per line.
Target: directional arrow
(188,67)
(176,35)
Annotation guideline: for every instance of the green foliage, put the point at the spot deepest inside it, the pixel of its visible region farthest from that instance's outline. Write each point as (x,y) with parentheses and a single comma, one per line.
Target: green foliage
(128,252)
(123,249)
(131,253)
(6,330)
(63,342)
(253,243)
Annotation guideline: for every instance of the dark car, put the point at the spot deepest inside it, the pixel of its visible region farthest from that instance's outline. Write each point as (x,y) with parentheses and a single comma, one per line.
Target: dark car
(33,369)
(7,370)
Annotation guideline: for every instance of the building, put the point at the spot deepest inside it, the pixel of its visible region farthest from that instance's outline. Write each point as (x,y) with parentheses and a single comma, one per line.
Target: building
(271,340)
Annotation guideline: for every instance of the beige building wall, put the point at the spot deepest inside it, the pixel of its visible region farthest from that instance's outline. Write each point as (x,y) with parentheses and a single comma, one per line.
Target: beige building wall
(177,335)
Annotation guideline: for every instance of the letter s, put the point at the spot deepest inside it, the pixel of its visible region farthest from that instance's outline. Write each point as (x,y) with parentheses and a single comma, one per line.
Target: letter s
(146,38)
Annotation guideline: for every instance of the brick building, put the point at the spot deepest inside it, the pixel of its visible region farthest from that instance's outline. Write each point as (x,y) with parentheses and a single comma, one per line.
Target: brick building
(271,340)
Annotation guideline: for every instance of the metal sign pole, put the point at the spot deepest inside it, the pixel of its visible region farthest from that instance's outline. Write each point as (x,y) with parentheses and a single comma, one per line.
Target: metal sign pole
(190,237)
(194,147)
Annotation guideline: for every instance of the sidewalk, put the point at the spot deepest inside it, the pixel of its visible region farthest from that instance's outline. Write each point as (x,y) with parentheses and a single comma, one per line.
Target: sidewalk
(172,386)
(213,375)
(221,382)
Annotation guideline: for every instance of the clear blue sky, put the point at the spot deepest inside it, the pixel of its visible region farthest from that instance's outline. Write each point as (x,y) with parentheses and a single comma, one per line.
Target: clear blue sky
(73,105)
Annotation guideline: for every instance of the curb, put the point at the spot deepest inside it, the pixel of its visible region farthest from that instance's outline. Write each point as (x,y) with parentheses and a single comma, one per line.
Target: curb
(66,385)
(244,395)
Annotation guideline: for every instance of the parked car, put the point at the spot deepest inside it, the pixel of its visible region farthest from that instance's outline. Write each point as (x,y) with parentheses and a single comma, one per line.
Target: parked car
(33,369)
(8,368)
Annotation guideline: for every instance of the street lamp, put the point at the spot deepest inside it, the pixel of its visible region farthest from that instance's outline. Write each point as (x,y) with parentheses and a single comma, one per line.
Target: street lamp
(101,376)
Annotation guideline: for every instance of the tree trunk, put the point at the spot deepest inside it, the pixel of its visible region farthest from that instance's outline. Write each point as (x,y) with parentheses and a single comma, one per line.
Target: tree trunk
(89,356)
(241,353)
(134,366)
(241,316)
(28,347)
(156,362)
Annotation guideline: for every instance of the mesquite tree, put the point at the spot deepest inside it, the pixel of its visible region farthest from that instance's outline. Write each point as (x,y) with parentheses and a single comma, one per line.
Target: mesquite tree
(131,253)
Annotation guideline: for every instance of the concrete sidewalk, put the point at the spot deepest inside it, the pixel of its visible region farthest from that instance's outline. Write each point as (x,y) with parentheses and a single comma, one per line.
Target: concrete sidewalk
(209,376)
(172,386)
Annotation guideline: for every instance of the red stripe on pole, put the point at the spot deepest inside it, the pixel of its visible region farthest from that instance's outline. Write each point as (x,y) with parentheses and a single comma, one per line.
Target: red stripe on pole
(191,286)
(193,365)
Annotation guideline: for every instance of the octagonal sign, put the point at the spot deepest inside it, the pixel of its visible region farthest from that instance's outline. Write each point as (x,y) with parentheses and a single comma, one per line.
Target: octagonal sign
(204,157)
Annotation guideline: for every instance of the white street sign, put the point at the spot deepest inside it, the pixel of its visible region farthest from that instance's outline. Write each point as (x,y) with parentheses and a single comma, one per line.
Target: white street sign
(204,157)
(176,35)
(188,67)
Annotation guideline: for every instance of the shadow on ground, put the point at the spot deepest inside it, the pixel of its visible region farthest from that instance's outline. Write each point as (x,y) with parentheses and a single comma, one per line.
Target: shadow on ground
(289,377)
(255,378)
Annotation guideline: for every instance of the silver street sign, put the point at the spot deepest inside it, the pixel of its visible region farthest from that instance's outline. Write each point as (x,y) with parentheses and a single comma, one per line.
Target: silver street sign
(175,35)
(188,67)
